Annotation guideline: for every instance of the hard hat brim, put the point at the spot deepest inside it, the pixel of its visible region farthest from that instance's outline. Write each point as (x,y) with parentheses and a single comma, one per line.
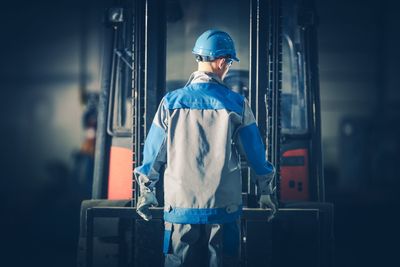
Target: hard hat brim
(210,54)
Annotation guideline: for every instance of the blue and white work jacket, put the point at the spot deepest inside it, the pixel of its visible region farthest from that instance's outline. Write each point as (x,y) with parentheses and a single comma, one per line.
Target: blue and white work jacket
(197,134)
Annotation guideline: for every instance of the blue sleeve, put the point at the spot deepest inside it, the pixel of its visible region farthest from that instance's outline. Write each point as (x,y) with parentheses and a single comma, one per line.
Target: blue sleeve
(249,143)
(254,151)
(154,152)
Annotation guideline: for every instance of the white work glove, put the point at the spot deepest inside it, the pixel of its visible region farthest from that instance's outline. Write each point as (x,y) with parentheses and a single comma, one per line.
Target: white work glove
(145,201)
(266,202)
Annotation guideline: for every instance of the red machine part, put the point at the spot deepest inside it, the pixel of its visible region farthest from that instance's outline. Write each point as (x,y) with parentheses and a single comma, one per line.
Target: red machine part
(120,174)
(294,176)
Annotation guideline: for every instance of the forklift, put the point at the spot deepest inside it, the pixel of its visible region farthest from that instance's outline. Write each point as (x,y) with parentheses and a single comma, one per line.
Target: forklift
(147,53)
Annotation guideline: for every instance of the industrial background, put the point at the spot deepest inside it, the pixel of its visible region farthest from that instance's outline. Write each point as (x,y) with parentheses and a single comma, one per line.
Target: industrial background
(51,53)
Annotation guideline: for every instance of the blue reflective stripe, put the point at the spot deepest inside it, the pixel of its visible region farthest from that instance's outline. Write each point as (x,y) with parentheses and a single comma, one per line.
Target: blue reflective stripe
(152,147)
(254,148)
(201,216)
(167,239)
(205,96)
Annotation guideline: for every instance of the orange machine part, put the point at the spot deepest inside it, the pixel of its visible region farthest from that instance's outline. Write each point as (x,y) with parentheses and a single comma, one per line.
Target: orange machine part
(120,174)
(295,175)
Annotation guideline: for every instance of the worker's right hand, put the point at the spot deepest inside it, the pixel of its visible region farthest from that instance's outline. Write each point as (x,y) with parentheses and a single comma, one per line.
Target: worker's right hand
(267,202)
(145,201)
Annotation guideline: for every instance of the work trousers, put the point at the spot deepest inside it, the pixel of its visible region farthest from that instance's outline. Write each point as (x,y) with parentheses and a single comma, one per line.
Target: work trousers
(201,245)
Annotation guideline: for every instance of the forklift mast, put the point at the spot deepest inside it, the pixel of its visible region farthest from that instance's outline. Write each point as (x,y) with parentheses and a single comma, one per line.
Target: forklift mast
(281,84)
(142,60)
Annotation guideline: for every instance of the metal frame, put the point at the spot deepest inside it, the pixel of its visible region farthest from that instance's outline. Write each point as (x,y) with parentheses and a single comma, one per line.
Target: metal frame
(121,42)
(149,73)
(265,77)
(103,140)
(138,36)
(258,78)
(148,80)
(148,77)
(308,21)
(252,218)
(275,88)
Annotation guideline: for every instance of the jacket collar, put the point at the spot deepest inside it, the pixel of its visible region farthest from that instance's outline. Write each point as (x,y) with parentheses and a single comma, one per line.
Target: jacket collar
(204,77)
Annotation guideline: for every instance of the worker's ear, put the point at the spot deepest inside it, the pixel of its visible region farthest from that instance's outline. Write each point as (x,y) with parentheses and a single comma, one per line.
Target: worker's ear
(221,63)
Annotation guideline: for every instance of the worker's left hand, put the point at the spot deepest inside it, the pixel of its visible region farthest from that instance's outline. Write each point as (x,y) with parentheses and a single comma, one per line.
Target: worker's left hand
(266,202)
(145,201)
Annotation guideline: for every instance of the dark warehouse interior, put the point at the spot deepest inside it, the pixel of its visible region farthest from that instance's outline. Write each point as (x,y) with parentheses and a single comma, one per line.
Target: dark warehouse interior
(51,66)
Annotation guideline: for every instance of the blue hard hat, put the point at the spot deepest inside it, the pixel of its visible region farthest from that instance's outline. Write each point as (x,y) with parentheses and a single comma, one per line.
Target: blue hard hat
(213,44)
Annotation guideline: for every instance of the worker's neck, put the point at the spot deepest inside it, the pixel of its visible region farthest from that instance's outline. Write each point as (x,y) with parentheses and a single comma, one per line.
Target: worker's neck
(208,67)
